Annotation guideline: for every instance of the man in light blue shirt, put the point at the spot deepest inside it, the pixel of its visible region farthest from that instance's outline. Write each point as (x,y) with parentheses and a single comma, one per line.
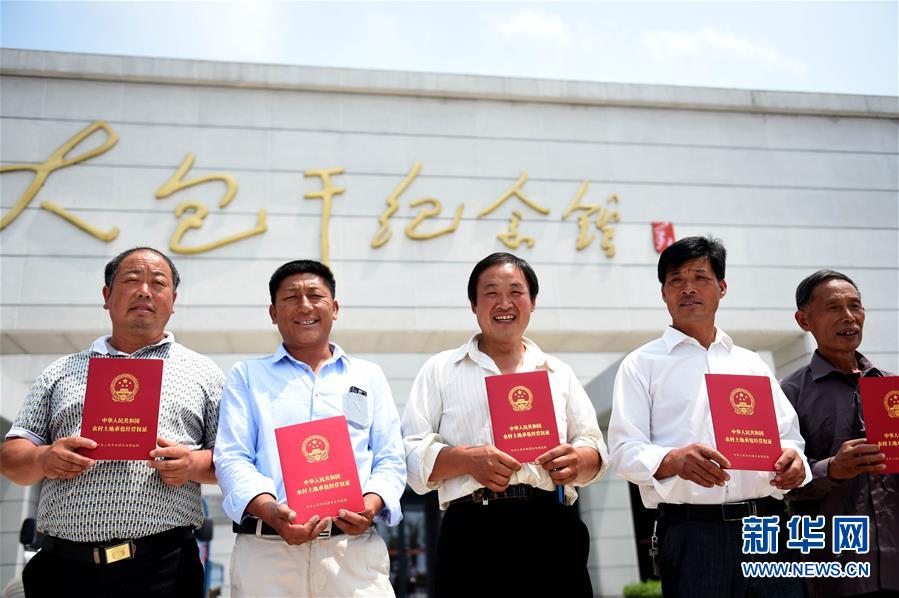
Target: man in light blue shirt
(307,378)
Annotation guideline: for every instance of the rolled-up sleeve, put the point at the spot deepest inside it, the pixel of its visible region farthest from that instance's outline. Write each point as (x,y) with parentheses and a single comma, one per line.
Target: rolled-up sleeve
(633,456)
(583,428)
(388,469)
(421,422)
(235,448)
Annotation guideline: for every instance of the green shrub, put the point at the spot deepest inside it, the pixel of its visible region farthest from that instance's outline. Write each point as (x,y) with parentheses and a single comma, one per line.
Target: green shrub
(645,589)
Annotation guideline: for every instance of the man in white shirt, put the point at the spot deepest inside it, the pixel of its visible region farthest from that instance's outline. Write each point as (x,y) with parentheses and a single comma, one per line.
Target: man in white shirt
(505,530)
(661,436)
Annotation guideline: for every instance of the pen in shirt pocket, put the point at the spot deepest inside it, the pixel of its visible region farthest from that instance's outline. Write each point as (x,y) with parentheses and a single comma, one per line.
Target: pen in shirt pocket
(358,391)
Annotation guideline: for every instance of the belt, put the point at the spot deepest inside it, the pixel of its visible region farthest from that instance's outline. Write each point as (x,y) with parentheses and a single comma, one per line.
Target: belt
(250,525)
(729,511)
(519,491)
(106,553)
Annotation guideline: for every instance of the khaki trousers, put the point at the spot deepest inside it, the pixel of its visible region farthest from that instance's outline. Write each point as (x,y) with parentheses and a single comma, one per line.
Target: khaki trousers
(328,568)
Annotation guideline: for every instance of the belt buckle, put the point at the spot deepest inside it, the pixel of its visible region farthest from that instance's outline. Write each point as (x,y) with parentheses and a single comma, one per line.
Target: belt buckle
(480,495)
(747,509)
(326,533)
(113,554)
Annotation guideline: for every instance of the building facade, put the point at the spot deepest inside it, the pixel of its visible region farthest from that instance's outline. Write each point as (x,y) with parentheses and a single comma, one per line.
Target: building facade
(401,182)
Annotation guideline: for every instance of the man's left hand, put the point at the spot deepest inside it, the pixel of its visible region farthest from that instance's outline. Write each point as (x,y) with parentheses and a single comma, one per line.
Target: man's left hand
(356,523)
(176,466)
(566,464)
(789,470)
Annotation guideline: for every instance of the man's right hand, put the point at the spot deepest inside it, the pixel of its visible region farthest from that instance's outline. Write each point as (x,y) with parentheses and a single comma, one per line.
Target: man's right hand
(854,457)
(696,463)
(490,466)
(61,461)
(281,518)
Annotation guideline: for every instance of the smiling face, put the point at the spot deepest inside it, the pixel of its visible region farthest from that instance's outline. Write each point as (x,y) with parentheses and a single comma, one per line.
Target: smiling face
(141,299)
(835,316)
(503,304)
(304,311)
(692,292)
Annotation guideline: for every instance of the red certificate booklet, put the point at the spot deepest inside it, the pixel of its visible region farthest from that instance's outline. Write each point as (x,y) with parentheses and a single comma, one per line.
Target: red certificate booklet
(522,414)
(121,407)
(880,405)
(319,468)
(744,420)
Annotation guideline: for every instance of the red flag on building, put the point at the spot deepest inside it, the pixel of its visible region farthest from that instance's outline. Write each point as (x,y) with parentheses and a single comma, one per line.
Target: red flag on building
(662,235)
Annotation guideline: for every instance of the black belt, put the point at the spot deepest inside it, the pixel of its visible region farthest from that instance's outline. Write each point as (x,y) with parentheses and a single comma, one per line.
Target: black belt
(729,511)
(105,553)
(248,526)
(519,491)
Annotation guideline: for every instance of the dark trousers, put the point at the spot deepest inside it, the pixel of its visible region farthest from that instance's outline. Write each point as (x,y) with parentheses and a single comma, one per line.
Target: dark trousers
(702,559)
(512,547)
(177,572)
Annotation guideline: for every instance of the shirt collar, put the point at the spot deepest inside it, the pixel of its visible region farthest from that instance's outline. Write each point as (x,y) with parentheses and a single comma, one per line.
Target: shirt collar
(534,357)
(673,337)
(102,346)
(820,367)
(337,354)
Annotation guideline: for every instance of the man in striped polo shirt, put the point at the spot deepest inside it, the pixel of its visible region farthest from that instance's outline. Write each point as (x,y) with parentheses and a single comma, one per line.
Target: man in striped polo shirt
(94,513)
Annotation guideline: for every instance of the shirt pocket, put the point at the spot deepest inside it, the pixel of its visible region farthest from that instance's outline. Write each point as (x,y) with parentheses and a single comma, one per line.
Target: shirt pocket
(356,410)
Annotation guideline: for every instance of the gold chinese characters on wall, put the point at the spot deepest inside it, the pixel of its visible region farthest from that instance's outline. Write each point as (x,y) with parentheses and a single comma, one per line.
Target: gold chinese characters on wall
(191,215)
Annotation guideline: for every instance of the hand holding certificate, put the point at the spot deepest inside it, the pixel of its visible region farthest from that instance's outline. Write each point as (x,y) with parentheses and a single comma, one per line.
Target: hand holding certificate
(319,468)
(880,405)
(121,407)
(522,414)
(745,424)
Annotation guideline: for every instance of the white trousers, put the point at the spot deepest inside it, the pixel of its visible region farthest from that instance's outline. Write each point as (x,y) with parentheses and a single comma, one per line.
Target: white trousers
(263,566)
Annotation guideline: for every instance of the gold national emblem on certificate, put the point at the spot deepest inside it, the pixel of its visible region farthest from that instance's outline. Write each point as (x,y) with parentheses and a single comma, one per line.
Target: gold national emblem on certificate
(124,388)
(521,398)
(891,403)
(742,401)
(315,448)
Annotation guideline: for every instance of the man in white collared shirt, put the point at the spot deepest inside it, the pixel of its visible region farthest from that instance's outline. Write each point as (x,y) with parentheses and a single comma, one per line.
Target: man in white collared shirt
(661,435)
(501,515)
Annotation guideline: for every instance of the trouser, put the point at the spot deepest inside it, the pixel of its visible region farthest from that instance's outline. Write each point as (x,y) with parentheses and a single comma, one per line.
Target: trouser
(265,565)
(168,569)
(702,559)
(513,547)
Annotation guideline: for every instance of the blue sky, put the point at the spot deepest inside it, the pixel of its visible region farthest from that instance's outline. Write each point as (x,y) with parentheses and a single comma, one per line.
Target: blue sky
(836,47)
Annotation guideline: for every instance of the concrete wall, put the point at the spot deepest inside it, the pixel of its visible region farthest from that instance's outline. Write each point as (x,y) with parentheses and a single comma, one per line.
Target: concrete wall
(789,191)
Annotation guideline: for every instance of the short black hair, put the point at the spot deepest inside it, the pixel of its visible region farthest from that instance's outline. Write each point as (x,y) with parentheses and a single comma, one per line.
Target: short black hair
(302,267)
(807,286)
(690,248)
(112,268)
(502,257)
